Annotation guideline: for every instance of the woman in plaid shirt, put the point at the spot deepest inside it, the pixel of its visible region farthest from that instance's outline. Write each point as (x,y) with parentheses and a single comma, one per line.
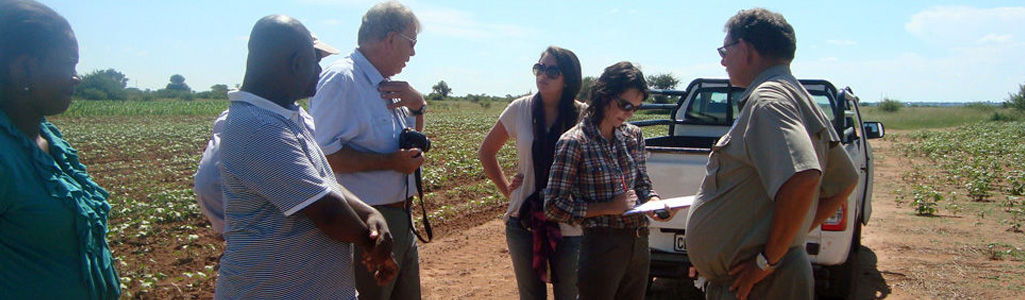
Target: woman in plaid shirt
(598,174)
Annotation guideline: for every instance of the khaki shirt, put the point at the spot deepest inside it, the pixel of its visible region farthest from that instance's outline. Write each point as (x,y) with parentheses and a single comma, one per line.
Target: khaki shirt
(780,131)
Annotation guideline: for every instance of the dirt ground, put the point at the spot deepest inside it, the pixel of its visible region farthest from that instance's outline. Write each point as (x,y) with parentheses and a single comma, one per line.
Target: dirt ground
(903,256)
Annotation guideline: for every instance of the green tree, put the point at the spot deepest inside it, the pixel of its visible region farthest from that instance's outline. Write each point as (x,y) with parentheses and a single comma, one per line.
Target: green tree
(442,89)
(585,89)
(176,89)
(662,81)
(102,85)
(890,105)
(218,91)
(178,83)
(1016,100)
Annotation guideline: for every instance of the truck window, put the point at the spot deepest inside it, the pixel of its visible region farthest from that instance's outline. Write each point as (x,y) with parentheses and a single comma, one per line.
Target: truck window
(823,102)
(710,107)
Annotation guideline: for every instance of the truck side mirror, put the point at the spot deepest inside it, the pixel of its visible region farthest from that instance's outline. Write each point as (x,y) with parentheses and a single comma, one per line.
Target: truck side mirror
(874,130)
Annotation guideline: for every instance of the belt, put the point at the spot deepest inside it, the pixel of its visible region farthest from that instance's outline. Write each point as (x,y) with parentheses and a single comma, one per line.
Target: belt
(399,205)
(638,232)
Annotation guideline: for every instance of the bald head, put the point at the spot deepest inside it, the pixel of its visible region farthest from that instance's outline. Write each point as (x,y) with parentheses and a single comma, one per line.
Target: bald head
(282,60)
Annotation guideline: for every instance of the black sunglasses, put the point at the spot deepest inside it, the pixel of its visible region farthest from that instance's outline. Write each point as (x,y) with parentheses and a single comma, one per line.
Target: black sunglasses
(626,105)
(551,71)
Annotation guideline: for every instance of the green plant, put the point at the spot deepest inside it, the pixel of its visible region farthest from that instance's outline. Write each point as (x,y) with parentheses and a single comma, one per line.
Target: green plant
(1016,100)
(890,105)
(924,200)
(1016,183)
(979,184)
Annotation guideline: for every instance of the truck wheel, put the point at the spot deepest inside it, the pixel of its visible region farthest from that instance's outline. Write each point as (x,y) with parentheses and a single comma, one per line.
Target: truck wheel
(843,279)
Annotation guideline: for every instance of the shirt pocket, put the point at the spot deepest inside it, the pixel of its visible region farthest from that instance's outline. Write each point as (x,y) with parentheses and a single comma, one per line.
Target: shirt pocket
(593,174)
(712,170)
(384,129)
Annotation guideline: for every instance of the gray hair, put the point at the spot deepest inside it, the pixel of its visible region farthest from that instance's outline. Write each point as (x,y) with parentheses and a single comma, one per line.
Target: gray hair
(385,18)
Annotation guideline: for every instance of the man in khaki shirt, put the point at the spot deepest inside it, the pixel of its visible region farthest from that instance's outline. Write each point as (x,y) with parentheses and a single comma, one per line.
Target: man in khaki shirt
(778,172)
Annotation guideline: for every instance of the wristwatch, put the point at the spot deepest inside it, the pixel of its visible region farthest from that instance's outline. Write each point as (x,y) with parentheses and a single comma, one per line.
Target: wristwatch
(764,264)
(419,111)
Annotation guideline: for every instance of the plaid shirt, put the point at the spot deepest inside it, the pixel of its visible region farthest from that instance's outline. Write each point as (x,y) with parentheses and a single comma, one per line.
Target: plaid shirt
(589,169)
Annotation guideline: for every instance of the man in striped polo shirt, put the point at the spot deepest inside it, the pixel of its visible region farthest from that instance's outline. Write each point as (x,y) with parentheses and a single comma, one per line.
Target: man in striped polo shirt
(289,226)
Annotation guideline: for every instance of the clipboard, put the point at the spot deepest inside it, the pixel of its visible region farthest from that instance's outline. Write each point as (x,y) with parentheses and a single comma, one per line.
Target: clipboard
(676,202)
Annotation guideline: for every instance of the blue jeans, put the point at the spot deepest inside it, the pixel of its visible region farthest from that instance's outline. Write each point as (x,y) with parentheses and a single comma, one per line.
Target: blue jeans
(563,265)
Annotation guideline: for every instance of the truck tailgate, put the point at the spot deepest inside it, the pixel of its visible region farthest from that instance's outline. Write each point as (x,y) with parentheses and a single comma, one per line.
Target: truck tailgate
(674,172)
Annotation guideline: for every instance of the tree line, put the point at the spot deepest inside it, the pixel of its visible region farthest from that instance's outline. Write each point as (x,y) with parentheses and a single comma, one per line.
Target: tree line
(441,90)
(111,84)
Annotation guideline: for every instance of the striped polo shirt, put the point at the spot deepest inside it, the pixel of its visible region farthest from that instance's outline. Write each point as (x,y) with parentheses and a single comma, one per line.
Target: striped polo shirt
(272,168)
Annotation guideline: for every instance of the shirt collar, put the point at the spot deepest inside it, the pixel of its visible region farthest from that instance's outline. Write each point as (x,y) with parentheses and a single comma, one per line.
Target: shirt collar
(591,129)
(247,97)
(768,74)
(363,64)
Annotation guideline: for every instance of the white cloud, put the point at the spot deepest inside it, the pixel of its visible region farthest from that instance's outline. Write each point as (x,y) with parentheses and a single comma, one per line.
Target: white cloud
(842,43)
(462,24)
(996,38)
(962,25)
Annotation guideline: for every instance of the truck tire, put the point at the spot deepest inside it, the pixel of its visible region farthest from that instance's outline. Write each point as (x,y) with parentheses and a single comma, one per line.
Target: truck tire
(843,279)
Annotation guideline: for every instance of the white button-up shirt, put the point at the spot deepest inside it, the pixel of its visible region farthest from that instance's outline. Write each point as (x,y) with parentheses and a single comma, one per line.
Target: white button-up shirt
(348,111)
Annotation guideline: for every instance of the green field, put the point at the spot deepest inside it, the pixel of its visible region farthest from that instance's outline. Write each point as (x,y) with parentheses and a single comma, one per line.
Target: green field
(145,154)
(923,117)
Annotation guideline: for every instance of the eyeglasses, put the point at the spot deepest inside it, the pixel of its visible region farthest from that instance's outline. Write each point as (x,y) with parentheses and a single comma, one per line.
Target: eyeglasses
(626,105)
(411,40)
(722,50)
(551,71)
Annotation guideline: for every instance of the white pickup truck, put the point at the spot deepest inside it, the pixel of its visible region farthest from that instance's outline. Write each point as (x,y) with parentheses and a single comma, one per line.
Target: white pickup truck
(676,164)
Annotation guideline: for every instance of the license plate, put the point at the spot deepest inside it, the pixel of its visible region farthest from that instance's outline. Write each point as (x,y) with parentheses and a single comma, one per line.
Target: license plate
(679,244)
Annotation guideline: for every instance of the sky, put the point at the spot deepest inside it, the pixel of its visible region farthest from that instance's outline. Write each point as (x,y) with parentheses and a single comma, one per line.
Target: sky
(908,50)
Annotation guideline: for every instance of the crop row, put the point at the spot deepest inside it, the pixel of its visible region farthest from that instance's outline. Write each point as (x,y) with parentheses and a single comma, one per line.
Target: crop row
(976,163)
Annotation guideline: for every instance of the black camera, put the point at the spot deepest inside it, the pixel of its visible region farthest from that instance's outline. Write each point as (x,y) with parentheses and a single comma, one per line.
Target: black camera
(410,139)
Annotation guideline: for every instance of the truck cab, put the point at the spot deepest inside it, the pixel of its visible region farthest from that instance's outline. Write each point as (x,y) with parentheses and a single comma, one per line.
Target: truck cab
(676,161)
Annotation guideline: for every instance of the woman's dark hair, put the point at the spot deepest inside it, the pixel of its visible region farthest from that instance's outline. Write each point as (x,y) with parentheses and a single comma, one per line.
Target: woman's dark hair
(569,65)
(27,28)
(616,79)
(767,31)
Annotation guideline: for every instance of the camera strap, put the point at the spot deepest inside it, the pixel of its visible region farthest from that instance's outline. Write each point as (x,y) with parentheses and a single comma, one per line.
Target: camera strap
(409,208)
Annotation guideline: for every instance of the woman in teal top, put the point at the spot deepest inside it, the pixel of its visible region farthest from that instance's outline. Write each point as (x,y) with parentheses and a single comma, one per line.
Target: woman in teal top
(53,217)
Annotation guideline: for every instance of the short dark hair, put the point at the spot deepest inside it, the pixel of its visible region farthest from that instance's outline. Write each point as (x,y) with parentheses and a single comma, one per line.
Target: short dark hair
(569,65)
(767,31)
(616,79)
(28,28)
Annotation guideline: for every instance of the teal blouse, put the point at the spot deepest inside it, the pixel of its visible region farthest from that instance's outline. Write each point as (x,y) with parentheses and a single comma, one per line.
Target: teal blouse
(53,222)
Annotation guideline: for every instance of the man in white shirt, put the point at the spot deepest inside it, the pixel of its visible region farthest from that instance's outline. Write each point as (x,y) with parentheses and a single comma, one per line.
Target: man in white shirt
(359,113)
(208,174)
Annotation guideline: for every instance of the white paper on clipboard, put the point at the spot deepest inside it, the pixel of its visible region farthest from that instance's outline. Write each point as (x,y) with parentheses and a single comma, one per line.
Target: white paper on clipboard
(675,202)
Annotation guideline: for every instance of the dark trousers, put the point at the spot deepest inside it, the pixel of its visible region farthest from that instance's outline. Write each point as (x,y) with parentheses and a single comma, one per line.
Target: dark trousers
(563,265)
(406,284)
(613,264)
